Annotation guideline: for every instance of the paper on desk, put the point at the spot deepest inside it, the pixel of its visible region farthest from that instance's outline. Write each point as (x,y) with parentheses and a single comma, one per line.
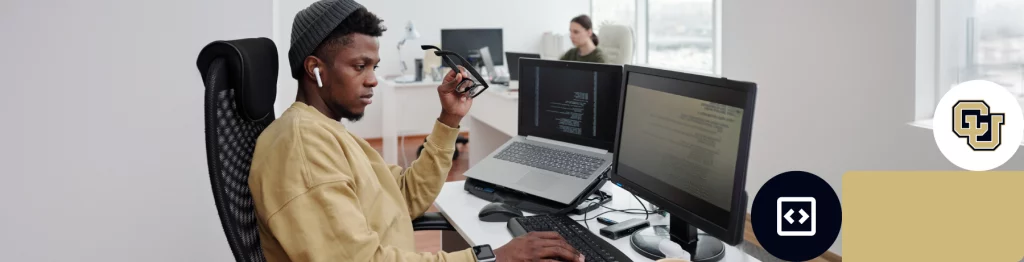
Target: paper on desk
(673,250)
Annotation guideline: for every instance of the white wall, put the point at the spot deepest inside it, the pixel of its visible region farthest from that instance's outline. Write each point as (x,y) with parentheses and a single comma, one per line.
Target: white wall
(102,146)
(836,87)
(523,23)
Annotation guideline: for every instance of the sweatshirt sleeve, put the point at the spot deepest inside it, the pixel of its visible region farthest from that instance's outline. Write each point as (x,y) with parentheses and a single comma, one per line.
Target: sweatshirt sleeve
(326,223)
(422,182)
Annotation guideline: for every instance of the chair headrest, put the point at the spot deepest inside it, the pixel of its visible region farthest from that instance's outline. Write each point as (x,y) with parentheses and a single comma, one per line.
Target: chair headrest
(252,66)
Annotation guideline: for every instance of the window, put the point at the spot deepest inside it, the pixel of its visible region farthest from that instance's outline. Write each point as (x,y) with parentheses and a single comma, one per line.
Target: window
(996,46)
(972,39)
(681,34)
(619,12)
(673,34)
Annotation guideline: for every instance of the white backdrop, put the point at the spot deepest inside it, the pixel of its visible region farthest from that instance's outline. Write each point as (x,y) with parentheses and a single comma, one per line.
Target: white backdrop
(102,152)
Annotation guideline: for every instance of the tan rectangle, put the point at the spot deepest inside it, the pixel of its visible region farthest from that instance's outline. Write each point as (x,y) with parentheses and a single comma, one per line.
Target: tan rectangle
(933,216)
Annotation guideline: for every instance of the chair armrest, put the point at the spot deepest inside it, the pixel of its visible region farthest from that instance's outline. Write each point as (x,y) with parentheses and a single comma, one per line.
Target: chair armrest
(431,221)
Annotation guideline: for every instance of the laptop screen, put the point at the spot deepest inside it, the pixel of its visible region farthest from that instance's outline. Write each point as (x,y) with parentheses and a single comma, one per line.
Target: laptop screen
(572,102)
(513,63)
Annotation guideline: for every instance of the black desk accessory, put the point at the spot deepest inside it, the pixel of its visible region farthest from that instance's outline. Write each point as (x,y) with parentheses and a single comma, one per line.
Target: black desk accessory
(498,212)
(624,228)
(529,203)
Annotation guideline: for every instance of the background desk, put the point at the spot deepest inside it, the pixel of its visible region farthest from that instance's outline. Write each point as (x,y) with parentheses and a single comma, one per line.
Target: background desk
(461,209)
(493,120)
(410,108)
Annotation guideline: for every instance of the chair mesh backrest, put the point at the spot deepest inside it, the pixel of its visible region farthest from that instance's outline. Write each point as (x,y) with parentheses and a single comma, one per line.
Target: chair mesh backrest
(230,141)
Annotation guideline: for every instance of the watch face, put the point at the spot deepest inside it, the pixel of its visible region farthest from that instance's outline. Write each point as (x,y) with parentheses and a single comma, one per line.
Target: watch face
(483,252)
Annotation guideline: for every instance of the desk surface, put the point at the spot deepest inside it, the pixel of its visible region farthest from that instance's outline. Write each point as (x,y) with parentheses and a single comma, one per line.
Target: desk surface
(499,108)
(461,209)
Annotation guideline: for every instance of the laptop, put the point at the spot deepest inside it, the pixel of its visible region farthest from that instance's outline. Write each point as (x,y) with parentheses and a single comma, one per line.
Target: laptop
(485,54)
(567,117)
(512,60)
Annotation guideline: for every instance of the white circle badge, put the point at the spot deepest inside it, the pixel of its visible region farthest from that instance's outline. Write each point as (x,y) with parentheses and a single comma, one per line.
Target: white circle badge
(978,125)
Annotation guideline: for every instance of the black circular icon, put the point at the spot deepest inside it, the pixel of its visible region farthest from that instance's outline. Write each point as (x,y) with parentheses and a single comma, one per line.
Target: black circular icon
(796,216)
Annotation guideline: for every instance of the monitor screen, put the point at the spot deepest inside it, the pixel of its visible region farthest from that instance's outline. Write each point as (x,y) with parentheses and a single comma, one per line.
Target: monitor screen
(469,41)
(681,141)
(572,102)
(513,63)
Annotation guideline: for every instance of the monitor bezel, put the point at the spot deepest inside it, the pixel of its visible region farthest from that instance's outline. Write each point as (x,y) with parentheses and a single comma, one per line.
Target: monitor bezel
(733,235)
(544,63)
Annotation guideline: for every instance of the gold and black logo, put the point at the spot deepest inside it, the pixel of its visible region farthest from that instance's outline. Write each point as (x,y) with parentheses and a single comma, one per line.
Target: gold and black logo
(972,120)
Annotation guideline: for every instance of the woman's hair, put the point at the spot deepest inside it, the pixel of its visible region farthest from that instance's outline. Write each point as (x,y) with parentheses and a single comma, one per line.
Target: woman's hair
(584,21)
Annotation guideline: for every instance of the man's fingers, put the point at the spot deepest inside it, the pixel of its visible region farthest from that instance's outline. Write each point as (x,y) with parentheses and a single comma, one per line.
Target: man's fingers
(556,243)
(448,77)
(450,84)
(558,253)
(548,235)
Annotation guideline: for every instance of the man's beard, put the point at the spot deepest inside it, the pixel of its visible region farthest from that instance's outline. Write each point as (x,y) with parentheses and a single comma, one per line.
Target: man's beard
(352,117)
(342,111)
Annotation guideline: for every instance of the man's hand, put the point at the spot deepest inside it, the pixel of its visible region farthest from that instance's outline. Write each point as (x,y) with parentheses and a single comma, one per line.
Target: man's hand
(537,246)
(454,105)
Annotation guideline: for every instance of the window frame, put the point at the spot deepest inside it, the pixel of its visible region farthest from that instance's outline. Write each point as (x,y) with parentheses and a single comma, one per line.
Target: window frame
(944,50)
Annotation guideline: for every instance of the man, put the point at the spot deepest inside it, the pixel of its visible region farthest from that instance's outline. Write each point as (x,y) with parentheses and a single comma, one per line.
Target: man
(323,194)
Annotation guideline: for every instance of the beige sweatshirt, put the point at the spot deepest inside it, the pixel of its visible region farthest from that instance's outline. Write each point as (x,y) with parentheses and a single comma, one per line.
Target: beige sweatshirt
(323,194)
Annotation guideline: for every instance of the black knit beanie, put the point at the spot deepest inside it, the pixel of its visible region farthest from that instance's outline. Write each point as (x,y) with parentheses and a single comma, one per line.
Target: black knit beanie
(312,25)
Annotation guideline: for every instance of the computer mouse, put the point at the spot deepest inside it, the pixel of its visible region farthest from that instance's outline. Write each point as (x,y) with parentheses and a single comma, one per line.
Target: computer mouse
(499,212)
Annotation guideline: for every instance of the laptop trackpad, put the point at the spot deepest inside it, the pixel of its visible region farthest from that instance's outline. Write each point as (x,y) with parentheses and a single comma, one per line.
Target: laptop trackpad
(532,182)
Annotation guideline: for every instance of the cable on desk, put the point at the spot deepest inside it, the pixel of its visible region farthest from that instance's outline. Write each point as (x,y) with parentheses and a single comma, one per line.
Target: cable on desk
(648,215)
(632,211)
(585,223)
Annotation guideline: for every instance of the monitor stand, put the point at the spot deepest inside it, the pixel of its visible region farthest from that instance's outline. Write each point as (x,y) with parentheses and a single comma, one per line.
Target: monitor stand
(702,247)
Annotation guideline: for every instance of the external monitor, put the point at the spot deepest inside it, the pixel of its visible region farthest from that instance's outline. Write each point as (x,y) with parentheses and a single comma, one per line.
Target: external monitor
(682,144)
(467,42)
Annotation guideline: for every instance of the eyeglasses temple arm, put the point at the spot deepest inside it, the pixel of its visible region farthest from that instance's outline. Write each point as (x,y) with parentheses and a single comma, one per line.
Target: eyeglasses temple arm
(465,62)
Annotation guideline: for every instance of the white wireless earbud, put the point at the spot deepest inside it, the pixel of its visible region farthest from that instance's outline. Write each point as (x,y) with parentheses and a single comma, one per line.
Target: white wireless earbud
(319,83)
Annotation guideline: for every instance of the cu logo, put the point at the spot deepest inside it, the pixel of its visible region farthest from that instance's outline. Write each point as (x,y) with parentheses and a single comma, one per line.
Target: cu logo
(973,121)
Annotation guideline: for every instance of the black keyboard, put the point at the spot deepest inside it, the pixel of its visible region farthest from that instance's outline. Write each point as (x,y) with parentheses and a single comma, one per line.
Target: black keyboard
(591,245)
(554,160)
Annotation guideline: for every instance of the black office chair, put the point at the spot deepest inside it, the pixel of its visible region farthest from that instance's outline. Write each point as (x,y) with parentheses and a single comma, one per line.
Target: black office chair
(241,83)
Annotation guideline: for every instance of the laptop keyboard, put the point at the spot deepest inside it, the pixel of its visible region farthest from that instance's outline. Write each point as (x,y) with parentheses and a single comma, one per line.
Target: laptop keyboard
(554,160)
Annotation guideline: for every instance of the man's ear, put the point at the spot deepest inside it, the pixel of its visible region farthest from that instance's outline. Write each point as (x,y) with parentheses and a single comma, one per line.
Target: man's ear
(310,63)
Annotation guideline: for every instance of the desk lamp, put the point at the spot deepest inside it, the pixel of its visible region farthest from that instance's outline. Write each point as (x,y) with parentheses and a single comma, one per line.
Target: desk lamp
(410,34)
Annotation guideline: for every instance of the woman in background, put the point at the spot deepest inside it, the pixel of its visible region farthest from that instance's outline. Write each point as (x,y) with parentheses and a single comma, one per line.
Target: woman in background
(585,41)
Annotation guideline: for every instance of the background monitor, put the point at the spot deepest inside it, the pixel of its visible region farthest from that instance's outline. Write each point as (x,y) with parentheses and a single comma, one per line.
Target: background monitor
(572,102)
(513,63)
(682,144)
(467,42)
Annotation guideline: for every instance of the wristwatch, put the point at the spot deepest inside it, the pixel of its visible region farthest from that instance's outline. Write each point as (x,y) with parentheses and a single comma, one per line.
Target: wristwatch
(484,253)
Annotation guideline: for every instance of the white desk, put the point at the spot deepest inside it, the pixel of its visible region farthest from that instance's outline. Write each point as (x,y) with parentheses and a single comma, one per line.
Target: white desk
(492,121)
(461,209)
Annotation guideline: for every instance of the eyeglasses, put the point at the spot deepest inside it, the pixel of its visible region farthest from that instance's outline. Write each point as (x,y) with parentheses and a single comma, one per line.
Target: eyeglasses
(473,85)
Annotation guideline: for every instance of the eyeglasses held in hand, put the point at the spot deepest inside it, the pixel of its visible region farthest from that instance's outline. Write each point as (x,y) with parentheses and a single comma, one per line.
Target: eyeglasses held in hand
(473,85)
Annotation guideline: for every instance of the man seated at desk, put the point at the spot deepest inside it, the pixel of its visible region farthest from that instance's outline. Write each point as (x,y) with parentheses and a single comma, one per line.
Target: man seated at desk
(323,194)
